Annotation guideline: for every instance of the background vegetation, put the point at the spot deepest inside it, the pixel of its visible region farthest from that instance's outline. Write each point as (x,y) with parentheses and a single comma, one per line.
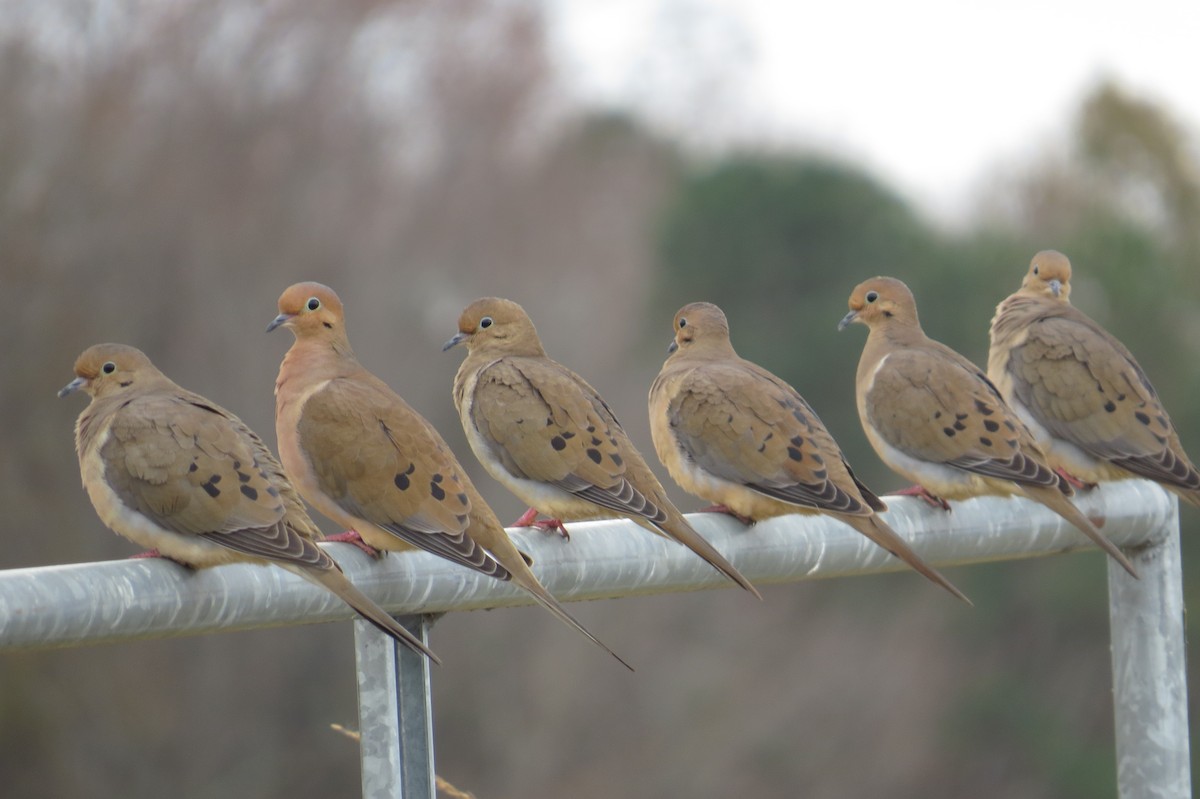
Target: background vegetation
(167,169)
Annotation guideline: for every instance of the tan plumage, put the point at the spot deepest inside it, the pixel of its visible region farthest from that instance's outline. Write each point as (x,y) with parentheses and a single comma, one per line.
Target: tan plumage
(543,432)
(360,455)
(172,471)
(1080,391)
(734,434)
(936,419)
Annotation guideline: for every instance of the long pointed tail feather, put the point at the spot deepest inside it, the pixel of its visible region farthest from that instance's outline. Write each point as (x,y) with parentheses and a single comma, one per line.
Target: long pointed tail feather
(879,532)
(1053,499)
(677,529)
(536,590)
(337,583)
(1192,497)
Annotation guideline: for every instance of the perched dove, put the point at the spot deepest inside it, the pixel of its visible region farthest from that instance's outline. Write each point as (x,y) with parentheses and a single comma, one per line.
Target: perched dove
(172,471)
(734,434)
(360,455)
(1081,393)
(936,419)
(543,432)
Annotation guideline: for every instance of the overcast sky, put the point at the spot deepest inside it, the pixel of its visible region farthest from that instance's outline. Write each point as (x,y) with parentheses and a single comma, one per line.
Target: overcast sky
(931,94)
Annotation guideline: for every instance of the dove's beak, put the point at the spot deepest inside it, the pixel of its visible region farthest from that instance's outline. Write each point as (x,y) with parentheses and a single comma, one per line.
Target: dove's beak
(282,319)
(72,387)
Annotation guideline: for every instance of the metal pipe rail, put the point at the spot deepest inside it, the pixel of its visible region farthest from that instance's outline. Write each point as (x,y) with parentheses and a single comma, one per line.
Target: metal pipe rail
(75,605)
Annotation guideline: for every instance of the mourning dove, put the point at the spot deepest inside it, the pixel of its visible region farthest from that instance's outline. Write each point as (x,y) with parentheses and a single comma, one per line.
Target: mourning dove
(936,419)
(543,432)
(360,455)
(1079,390)
(172,471)
(734,434)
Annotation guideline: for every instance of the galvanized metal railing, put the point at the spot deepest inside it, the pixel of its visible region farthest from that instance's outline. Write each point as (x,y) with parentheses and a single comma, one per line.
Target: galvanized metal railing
(77,605)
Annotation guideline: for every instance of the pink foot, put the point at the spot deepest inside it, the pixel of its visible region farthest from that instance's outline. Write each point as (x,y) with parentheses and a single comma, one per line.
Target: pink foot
(530,519)
(1074,481)
(154,553)
(352,538)
(746,520)
(919,491)
(552,526)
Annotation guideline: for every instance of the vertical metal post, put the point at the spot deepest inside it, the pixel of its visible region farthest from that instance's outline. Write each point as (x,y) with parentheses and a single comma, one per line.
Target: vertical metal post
(395,713)
(1149,674)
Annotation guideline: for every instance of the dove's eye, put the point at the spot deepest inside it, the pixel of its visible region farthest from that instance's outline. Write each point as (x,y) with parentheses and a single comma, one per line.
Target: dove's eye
(1036,270)
(485,322)
(683,323)
(108,368)
(872,296)
(313,304)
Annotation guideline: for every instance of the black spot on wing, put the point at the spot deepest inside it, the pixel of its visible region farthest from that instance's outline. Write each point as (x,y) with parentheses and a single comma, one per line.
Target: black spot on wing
(210,487)
(401,479)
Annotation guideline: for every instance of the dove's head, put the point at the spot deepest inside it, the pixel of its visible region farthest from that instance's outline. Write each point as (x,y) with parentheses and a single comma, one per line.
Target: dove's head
(492,324)
(107,369)
(880,301)
(700,326)
(310,310)
(1049,276)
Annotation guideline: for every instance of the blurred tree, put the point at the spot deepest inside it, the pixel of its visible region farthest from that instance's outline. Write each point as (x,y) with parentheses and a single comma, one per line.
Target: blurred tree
(1147,161)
